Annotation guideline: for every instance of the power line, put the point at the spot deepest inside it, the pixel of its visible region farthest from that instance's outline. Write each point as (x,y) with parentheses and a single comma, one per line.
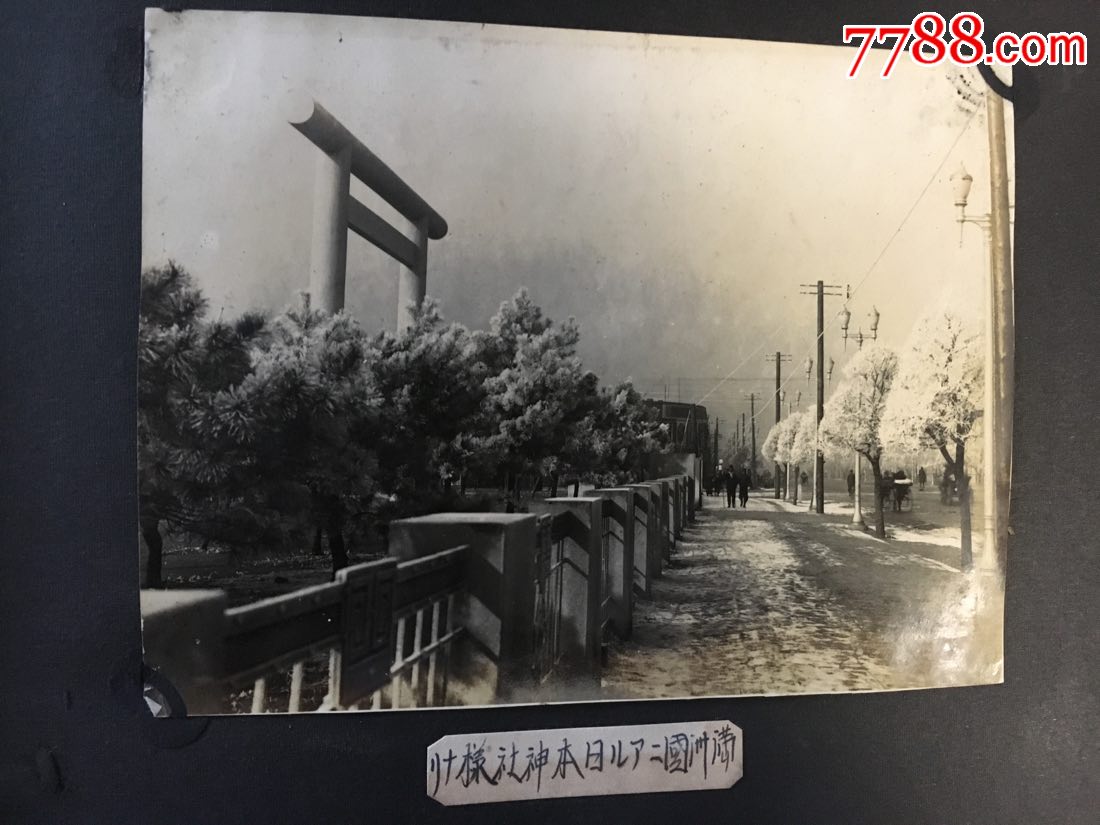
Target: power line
(870,269)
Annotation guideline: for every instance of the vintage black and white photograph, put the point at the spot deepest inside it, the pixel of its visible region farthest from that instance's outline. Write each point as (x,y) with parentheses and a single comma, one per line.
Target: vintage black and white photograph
(489,365)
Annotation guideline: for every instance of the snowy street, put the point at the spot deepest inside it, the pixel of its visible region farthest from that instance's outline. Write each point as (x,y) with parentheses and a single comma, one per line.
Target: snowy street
(773,599)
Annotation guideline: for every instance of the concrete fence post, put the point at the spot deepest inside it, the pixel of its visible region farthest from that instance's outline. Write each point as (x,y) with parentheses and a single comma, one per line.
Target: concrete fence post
(620,557)
(691,499)
(686,483)
(647,536)
(498,607)
(665,516)
(677,503)
(578,523)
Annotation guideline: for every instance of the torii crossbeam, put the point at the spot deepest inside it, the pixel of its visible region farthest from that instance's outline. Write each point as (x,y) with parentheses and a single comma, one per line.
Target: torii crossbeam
(335,211)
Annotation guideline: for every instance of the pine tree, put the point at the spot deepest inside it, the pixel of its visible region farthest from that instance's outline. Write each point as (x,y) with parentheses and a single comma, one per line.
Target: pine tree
(310,413)
(430,385)
(188,470)
(537,392)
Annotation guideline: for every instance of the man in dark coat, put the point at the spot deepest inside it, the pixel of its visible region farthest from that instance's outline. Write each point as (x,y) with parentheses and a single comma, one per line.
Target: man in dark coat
(851,484)
(743,487)
(730,478)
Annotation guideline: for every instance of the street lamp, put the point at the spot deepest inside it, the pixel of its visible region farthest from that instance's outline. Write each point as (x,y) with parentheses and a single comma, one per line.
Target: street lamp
(832,364)
(809,368)
(874,316)
(961,182)
(845,319)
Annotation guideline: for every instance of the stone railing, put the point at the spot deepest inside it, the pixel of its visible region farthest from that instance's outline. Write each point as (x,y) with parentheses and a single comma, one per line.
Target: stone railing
(469,608)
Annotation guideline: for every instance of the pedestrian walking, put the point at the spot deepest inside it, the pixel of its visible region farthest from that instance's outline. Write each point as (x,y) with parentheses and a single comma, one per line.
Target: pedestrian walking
(731,486)
(743,487)
(851,484)
(922,477)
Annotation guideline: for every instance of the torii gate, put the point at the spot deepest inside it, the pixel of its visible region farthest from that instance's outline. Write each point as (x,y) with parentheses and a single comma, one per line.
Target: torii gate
(335,211)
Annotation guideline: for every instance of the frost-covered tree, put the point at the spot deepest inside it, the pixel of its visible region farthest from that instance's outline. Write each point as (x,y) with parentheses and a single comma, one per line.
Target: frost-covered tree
(936,402)
(853,416)
(785,452)
(770,448)
(429,380)
(310,414)
(190,474)
(804,445)
(537,392)
(777,448)
(610,444)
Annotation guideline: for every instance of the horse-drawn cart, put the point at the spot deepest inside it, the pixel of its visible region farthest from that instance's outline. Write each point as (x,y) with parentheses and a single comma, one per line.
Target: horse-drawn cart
(897,491)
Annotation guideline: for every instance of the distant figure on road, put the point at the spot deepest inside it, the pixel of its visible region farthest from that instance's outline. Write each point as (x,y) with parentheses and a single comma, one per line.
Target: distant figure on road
(922,478)
(743,487)
(851,484)
(731,486)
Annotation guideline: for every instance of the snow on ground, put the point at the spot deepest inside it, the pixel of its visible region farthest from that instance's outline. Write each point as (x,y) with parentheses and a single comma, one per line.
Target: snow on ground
(893,553)
(758,602)
(735,616)
(943,536)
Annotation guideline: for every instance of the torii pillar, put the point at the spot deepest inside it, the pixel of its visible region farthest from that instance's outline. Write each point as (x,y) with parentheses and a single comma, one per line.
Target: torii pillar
(335,211)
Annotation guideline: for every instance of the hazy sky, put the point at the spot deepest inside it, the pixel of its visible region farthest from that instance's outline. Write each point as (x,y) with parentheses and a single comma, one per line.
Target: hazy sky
(671,193)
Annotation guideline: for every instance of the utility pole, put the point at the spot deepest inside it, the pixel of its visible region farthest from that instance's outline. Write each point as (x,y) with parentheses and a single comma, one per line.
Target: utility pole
(752,463)
(742,431)
(779,358)
(819,464)
(714,461)
(1000,323)
(1003,325)
(752,425)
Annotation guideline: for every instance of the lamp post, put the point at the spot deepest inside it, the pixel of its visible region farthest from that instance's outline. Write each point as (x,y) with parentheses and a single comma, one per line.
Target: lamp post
(998,340)
(857,514)
(787,485)
(793,405)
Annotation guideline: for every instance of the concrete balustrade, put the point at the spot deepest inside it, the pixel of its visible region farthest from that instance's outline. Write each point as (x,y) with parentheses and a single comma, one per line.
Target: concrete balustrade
(620,557)
(647,536)
(578,524)
(665,516)
(503,654)
(673,508)
(498,606)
